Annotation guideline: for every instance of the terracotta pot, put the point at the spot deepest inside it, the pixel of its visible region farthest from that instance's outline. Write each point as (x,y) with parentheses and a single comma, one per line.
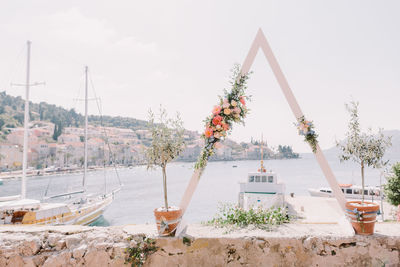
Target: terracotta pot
(362,218)
(167,221)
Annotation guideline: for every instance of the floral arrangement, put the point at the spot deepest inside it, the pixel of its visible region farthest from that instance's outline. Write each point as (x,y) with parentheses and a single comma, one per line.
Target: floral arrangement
(231,108)
(306,128)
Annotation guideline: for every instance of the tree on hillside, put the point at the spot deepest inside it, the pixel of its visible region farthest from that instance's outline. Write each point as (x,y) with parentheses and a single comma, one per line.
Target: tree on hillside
(57,131)
(287,152)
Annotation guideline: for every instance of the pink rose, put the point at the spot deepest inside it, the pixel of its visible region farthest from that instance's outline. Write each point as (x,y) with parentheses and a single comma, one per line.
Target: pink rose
(216,110)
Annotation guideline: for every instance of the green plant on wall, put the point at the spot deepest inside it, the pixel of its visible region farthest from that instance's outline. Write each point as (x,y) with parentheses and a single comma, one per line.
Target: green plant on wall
(138,254)
(365,149)
(392,188)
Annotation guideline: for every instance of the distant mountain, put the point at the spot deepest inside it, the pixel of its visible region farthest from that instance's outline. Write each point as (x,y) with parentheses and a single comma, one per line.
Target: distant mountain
(393,152)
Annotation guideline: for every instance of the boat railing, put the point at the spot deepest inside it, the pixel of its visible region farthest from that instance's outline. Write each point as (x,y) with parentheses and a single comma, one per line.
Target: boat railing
(64,194)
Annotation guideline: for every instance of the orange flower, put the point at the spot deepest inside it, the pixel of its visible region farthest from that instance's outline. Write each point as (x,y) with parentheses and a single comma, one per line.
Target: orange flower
(242,100)
(208,132)
(216,110)
(227,111)
(217,120)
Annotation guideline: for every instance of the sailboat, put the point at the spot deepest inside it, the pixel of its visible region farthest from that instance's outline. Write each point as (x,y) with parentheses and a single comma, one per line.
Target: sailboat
(21,210)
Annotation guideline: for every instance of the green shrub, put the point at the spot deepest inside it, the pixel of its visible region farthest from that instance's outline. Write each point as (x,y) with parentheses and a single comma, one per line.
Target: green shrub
(230,215)
(392,188)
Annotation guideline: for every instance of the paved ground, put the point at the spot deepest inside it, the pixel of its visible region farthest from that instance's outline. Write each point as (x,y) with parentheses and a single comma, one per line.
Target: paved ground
(324,210)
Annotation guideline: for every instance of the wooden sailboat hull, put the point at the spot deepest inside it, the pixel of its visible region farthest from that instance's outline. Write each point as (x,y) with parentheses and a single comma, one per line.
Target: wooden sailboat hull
(58,214)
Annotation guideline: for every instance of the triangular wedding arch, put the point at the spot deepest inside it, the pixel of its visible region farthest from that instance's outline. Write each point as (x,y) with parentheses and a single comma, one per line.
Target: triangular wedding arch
(261,42)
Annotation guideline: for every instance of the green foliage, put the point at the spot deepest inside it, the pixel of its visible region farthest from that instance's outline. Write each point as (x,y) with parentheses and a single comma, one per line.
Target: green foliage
(287,152)
(119,122)
(363,148)
(57,131)
(392,188)
(232,216)
(19,117)
(366,149)
(138,254)
(13,108)
(167,143)
(236,94)
(167,139)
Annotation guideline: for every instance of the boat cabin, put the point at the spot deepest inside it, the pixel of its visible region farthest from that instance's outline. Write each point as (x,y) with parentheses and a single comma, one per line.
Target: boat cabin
(262,178)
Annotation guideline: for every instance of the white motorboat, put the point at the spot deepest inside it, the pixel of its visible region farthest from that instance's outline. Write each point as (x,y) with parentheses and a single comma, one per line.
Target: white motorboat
(261,189)
(350,191)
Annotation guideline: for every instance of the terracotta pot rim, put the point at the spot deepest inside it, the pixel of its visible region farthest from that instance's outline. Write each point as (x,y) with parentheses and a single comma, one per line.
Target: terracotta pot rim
(165,211)
(359,201)
(372,207)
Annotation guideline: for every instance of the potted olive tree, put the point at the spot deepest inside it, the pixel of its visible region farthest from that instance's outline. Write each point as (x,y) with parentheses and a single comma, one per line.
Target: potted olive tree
(367,150)
(392,188)
(167,143)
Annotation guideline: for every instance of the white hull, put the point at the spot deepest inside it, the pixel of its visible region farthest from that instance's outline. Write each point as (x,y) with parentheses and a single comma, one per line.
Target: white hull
(35,213)
(9,198)
(317,193)
(261,190)
(259,200)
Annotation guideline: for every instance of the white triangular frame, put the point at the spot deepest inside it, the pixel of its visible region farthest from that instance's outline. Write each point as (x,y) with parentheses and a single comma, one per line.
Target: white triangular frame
(260,41)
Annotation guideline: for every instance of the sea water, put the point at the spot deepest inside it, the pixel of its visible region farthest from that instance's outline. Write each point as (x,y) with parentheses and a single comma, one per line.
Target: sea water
(142,189)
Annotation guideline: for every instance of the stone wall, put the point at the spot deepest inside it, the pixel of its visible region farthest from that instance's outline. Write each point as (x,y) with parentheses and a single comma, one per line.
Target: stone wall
(203,246)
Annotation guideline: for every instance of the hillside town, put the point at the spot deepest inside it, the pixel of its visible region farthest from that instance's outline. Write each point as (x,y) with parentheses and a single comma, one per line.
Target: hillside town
(106,146)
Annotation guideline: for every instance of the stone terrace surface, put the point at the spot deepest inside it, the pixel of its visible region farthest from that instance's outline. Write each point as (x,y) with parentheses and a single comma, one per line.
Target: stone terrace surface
(289,245)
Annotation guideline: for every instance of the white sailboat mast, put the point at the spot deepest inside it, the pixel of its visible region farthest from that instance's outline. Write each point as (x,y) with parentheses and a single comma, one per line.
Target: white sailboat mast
(86,128)
(26,122)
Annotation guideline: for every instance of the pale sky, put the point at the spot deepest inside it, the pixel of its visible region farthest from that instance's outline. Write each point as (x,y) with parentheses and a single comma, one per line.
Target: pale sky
(179,53)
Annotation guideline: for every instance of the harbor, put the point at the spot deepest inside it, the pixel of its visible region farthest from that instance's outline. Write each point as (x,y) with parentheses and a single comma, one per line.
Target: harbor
(199,134)
(137,198)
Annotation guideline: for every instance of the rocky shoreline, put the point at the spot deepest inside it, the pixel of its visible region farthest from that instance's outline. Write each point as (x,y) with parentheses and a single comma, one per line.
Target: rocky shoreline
(291,245)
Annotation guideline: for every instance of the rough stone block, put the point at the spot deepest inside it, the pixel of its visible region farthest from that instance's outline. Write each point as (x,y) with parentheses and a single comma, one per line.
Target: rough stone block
(72,241)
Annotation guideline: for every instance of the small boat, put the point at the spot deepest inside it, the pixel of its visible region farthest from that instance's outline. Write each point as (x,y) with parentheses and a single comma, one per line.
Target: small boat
(349,191)
(261,189)
(234,166)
